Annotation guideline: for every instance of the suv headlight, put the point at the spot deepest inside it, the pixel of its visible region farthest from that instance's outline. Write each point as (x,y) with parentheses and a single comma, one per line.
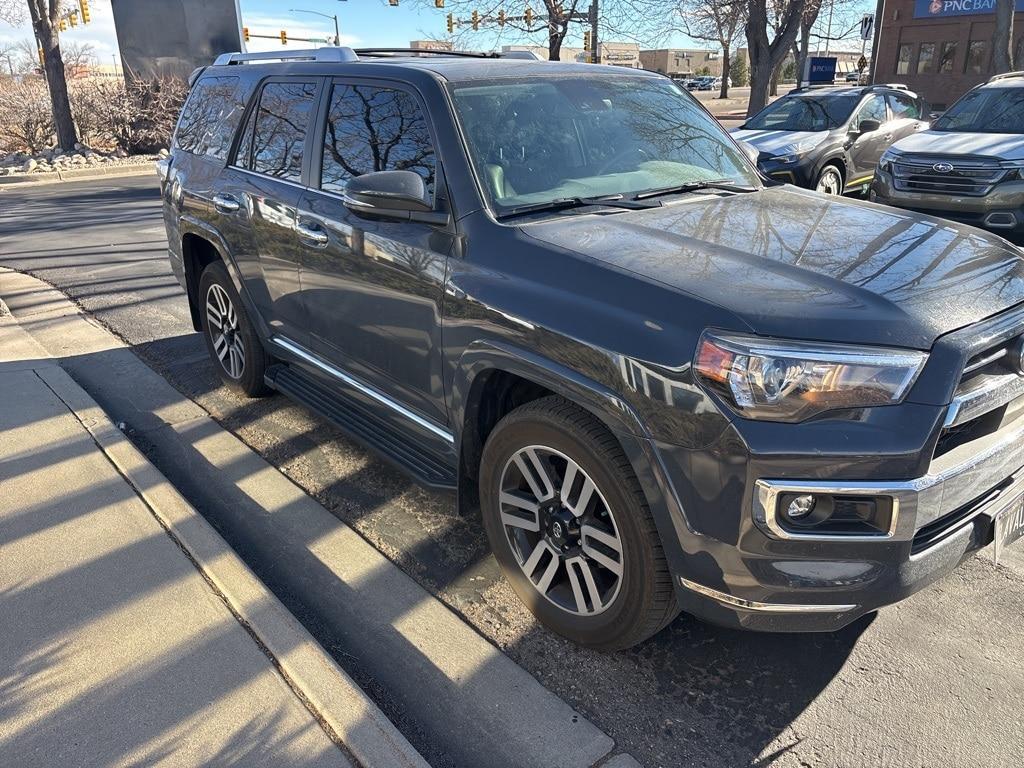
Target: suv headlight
(791,381)
(792,153)
(887,159)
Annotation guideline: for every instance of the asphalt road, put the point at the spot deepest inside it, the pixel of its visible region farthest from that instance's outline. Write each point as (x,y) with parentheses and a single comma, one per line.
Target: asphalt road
(935,680)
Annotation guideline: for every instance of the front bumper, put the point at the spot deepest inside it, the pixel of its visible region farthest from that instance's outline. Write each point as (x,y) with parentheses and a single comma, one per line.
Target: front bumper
(1000,211)
(801,173)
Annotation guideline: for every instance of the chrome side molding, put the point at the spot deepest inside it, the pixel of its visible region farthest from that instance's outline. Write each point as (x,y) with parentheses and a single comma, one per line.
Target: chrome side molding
(351,381)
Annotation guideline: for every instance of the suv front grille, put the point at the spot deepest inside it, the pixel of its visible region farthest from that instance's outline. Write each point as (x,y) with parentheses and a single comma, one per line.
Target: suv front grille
(970,176)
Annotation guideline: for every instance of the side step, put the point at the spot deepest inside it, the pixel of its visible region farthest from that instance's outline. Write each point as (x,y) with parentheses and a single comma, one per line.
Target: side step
(354,418)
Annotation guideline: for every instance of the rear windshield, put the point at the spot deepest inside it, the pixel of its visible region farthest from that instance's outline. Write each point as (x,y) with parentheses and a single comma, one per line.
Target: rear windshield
(988,110)
(210,117)
(819,112)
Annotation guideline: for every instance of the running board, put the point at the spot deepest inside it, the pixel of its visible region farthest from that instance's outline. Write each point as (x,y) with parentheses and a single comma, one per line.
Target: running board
(357,420)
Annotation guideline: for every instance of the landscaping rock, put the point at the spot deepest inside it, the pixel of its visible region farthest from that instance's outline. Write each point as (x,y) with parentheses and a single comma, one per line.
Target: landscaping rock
(29,166)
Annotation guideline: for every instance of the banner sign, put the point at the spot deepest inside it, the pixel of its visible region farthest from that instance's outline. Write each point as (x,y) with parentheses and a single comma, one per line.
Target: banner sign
(820,70)
(928,9)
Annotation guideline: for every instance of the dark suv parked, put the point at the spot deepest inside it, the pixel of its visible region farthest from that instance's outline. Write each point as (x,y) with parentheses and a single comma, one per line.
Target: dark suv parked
(831,139)
(563,292)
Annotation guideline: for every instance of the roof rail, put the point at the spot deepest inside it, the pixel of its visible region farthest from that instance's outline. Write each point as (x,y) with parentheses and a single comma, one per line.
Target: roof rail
(896,86)
(528,55)
(386,52)
(1005,75)
(330,54)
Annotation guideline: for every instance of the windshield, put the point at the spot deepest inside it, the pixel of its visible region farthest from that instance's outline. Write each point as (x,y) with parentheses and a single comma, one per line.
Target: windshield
(989,110)
(541,139)
(820,112)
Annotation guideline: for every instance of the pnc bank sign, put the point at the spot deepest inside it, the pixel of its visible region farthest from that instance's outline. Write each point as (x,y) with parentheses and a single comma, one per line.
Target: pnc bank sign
(926,9)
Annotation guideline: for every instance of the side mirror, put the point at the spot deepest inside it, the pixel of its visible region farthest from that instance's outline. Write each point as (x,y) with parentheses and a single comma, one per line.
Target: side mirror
(387,193)
(868,126)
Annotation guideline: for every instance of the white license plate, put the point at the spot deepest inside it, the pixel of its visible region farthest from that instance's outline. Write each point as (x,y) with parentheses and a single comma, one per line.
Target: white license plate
(1009,526)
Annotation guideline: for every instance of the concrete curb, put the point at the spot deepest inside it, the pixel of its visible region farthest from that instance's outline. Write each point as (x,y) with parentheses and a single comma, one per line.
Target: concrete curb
(80,174)
(341,707)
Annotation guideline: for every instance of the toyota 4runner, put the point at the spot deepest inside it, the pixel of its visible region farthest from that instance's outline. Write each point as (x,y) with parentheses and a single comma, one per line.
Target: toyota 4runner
(563,292)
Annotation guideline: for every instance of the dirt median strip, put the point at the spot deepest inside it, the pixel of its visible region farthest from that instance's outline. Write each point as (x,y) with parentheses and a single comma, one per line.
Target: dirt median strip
(79,174)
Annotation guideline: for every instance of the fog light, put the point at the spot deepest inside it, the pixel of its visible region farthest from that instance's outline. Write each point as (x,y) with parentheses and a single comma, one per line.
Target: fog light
(800,507)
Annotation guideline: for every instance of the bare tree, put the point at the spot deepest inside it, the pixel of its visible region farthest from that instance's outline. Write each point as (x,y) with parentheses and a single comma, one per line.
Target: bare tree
(45,18)
(78,57)
(552,18)
(767,54)
(1002,37)
(718,21)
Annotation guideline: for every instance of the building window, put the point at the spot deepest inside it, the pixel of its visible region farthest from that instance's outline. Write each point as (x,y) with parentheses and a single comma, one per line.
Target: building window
(977,57)
(925,57)
(903,62)
(947,57)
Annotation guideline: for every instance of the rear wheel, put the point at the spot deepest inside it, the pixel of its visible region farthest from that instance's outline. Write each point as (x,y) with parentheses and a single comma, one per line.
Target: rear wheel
(830,181)
(230,337)
(571,529)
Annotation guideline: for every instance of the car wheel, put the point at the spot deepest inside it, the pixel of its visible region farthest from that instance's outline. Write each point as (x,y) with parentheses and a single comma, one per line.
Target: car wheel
(571,529)
(230,337)
(830,181)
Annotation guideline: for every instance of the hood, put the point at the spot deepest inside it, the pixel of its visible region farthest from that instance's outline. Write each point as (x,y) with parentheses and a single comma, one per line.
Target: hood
(1005,146)
(792,263)
(771,142)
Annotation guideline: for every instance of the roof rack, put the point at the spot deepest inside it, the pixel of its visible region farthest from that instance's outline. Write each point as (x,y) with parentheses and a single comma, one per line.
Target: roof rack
(1004,76)
(386,52)
(896,86)
(330,54)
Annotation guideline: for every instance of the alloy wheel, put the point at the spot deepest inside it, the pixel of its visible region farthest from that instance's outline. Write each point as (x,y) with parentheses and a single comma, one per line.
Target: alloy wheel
(830,182)
(224,331)
(561,530)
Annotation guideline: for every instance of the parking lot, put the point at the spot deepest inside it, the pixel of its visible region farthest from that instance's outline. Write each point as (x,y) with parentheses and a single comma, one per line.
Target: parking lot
(933,680)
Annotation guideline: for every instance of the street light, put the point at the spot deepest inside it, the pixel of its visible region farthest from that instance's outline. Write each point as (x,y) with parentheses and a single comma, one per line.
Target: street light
(337,35)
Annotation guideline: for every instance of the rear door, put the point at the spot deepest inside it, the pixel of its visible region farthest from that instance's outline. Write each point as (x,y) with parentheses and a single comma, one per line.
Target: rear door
(372,288)
(867,148)
(257,199)
(906,115)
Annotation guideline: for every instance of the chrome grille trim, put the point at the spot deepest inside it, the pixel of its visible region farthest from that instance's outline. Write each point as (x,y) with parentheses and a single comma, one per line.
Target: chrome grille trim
(970,176)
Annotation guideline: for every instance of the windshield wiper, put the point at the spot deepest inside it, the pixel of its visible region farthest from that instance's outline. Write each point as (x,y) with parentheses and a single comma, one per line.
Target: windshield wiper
(563,203)
(694,186)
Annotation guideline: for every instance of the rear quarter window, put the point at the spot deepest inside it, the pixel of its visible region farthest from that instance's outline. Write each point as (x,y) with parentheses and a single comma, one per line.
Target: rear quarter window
(210,117)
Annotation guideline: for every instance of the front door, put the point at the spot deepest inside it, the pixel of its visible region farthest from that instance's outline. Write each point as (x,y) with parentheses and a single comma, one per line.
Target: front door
(264,187)
(867,148)
(372,287)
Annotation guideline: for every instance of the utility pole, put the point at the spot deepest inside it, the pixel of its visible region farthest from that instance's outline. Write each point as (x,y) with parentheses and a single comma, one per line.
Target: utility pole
(596,53)
(337,33)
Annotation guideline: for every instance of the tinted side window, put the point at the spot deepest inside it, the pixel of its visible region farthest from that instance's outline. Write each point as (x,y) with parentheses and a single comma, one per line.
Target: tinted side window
(280,131)
(375,129)
(872,109)
(210,117)
(903,107)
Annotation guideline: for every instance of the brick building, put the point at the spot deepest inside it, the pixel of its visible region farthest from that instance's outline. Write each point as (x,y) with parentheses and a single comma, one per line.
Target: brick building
(682,61)
(939,48)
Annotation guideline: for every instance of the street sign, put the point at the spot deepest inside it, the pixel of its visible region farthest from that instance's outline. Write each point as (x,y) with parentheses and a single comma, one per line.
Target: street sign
(862,63)
(867,26)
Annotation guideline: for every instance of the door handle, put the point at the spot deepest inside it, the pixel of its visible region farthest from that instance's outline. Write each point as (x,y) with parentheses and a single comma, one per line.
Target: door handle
(888,137)
(225,203)
(312,233)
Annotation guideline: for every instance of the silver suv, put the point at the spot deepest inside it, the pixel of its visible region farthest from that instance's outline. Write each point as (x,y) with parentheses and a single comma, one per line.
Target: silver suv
(969,166)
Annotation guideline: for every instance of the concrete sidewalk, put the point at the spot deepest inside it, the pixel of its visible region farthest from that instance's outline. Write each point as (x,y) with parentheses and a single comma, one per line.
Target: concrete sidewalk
(115,647)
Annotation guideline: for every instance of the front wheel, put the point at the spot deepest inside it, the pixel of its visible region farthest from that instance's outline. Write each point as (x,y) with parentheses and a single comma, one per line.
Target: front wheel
(571,529)
(830,181)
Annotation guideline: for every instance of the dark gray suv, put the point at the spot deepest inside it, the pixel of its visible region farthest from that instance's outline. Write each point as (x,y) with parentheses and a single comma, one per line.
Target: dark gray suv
(564,293)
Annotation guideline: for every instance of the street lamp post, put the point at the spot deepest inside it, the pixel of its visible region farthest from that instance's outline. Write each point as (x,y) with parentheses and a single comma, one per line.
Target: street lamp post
(337,34)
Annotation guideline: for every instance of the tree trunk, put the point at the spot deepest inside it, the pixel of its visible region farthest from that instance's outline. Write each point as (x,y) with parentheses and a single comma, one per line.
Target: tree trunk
(773,89)
(1002,38)
(53,65)
(554,45)
(765,56)
(726,63)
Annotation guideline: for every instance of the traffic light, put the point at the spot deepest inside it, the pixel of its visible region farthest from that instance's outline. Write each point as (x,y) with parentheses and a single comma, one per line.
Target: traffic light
(73,18)
(501,17)
(62,25)
(439,3)
(528,16)
(586,40)
(84,5)
(451,23)
(476,20)
(392,2)
(284,37)
(42,59)
(245,34)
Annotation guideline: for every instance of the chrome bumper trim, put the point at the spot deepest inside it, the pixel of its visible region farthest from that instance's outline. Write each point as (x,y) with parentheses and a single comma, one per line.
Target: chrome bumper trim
(753,605)
(990,392)
(918,502)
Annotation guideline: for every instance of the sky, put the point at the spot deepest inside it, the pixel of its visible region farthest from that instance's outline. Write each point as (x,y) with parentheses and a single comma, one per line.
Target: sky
(362,22)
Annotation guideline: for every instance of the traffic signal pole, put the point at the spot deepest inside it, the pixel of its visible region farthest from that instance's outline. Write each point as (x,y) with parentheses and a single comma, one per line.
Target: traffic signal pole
(596,53)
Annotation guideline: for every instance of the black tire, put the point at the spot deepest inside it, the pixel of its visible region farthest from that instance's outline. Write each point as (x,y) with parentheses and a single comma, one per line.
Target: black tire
(644,600)
(247,380)
(832,177)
